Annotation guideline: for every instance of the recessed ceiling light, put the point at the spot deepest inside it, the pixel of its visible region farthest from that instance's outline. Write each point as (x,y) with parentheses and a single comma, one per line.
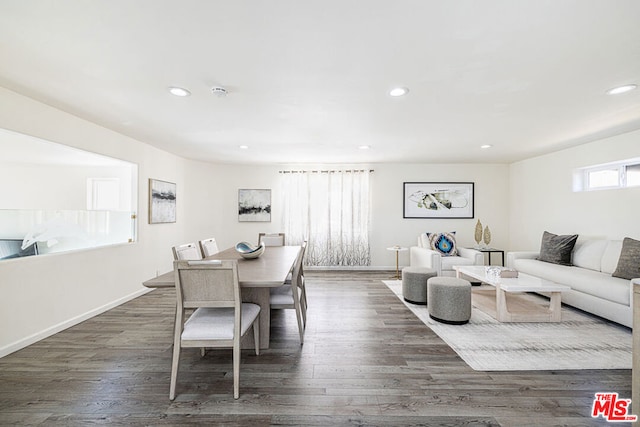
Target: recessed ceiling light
(486,146)
(364,147)
(179,91)
(244,147)
(621,89)
(398,91)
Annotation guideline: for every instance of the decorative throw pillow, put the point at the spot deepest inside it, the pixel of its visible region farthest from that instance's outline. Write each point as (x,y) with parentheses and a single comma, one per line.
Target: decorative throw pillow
(557,249)
(629,261)
(445,243)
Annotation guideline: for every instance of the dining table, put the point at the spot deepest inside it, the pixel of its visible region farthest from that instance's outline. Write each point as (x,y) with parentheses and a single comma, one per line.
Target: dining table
(256,276)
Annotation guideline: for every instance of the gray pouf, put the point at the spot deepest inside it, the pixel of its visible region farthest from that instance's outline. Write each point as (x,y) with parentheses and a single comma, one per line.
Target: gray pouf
(449,300)
(414,284)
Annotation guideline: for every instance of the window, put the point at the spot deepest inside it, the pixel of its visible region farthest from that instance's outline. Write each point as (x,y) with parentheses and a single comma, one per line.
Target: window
(603,178)
(330,209)
(608,176)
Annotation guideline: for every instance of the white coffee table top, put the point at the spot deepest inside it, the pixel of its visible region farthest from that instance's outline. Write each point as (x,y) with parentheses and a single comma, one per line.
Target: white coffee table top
(522,283)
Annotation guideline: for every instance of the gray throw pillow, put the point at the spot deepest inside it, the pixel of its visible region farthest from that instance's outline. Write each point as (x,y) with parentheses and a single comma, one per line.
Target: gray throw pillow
(629,261)
(557,249)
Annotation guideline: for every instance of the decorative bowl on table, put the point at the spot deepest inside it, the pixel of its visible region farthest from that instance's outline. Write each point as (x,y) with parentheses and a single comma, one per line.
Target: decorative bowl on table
(248,251)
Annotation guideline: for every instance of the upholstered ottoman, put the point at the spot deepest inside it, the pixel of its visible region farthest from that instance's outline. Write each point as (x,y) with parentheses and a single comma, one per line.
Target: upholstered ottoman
(414,284)
(449,300)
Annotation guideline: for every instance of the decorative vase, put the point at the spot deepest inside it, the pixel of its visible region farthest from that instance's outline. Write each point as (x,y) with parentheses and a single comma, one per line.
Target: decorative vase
(478,234)
(487,236)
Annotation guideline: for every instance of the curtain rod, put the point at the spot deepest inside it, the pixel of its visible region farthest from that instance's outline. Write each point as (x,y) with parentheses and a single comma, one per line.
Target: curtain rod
(327,171)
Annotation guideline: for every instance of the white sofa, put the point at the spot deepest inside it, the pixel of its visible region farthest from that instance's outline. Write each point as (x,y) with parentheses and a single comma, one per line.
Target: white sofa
(423,256)
(593,289)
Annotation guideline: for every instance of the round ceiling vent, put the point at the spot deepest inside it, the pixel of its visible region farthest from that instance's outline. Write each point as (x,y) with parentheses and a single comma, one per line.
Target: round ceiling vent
(219,91)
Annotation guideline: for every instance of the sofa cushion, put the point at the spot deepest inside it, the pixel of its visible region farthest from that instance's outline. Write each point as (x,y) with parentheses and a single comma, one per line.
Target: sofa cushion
(611,256)
(595,283)
(557,249)
(629,261)
(445,243)
(448,262)
(588,253)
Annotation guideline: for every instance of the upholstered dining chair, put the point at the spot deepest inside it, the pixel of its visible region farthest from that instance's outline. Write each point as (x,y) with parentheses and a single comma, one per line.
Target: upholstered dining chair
(188,251)
(220,318)
(289,296)
(208,247)
(271,239)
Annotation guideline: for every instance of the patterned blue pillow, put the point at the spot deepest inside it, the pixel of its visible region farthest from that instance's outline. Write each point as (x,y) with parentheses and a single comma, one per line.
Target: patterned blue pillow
(445,243)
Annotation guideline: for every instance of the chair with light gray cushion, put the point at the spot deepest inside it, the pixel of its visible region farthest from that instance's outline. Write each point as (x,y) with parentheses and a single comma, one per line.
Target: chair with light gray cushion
(414,284)
(449,300)
(210,291)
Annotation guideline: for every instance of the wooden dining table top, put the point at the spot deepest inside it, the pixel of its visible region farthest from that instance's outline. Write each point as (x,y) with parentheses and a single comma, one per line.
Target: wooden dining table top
(269,270)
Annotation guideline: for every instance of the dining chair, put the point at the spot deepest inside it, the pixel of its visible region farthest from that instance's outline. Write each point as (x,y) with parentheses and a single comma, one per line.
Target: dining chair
(289,296)
(208,247)
(301,284)
(188,251)
(220,318)
(271,239)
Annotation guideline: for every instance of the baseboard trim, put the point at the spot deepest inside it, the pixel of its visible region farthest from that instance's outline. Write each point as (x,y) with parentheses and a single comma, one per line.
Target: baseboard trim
(31,339)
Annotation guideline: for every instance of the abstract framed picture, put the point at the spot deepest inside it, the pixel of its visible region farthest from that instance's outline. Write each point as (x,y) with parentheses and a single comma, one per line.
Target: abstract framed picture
(162,201)
(438,200)
(254,205)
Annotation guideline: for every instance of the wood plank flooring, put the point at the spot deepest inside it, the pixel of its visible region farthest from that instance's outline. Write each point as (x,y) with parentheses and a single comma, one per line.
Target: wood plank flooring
(367,360)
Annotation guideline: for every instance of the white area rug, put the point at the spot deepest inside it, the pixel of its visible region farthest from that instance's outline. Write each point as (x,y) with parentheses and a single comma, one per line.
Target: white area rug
(580,341)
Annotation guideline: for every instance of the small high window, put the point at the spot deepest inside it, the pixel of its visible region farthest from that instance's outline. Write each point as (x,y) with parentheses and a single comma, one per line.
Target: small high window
(608,176)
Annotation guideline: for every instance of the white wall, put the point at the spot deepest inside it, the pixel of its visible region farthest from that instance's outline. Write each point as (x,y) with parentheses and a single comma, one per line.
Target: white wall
(213,208)
(541,195)
(41,295)
(211,198)
(390,228)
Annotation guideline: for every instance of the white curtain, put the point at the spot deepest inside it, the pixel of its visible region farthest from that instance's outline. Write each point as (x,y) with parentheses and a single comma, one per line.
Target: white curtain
(331,210)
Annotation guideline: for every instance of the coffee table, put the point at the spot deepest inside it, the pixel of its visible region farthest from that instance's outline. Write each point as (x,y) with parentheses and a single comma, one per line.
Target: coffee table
(527,312)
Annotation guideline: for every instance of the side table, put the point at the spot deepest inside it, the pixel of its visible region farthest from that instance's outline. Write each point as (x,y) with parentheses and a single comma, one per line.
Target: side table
(397,250)
(493,251)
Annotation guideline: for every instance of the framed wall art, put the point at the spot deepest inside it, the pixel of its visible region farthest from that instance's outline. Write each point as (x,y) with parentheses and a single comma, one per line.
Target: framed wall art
(254,205)
(438,200)
(162,201)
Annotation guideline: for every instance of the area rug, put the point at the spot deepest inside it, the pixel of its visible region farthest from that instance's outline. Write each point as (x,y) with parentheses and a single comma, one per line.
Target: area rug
(580,341)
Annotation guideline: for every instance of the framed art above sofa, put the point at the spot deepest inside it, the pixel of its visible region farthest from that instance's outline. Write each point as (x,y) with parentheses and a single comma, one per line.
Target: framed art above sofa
(438,200)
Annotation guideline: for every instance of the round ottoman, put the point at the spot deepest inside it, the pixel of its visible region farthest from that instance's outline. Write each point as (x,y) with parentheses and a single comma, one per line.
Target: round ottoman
(449,300)
(414,284)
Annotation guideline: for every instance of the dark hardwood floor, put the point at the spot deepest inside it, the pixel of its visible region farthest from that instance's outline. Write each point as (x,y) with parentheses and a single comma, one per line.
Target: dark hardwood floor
(367,360)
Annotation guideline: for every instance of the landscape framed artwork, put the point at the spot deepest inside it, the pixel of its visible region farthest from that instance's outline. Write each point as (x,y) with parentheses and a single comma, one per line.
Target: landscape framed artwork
(254,205)
(162,201)
(438,199)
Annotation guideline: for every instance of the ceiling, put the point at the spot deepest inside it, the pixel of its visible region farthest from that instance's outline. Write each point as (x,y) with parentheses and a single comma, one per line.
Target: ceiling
(308,81)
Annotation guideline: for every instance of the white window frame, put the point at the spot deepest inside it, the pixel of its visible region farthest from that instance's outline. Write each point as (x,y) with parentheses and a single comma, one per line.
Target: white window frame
(581,177)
